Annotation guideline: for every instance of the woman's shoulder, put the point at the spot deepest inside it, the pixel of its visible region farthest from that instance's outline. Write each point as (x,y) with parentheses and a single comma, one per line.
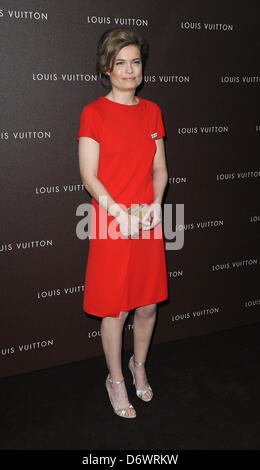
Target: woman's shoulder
(93,109)
(93,105)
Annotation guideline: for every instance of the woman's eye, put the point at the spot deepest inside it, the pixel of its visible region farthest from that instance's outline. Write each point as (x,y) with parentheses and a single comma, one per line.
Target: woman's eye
(135,62)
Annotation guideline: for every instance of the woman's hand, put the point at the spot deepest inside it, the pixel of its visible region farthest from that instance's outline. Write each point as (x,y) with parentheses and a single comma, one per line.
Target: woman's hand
(152,217)
(128,224)
(134,227)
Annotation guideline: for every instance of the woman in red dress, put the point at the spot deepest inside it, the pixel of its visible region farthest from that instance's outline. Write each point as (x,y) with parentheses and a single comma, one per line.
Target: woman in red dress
(122,164)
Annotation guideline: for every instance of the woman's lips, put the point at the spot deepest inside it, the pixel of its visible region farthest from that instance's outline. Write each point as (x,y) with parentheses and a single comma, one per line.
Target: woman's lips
(129,78)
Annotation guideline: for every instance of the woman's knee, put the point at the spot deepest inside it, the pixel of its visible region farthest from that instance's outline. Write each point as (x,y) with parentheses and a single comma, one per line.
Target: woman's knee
(123,315)
(146,311)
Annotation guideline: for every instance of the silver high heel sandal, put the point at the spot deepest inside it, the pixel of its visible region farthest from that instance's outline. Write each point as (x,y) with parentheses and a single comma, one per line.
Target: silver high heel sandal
(139,393)
(119,411)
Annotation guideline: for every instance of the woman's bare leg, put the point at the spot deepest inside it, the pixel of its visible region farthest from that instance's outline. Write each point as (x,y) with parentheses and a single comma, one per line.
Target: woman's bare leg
(111,334)
(143,324)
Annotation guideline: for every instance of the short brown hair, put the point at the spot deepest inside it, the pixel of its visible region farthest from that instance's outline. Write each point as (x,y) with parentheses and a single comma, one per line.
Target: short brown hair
(109,45)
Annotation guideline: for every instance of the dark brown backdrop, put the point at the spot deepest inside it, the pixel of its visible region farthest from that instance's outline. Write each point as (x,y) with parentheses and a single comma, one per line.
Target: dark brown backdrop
(202,72)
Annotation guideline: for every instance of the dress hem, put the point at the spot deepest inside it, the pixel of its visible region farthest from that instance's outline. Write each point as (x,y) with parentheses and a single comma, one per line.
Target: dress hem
(126,309)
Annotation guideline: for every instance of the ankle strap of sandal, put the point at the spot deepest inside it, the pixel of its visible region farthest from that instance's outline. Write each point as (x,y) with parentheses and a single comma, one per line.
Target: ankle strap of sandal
(138,362)
(114,381)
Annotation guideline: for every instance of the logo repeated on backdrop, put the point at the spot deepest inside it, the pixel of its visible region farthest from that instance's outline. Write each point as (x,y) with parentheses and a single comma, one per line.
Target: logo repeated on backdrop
(117,21)
(203,26)
(23,15)
(26,135)
(51,293)
(241,80)
(204,312)
(26,348)
(212,161)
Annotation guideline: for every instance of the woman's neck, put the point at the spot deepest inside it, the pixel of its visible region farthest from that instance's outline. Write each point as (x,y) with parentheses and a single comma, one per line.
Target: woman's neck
(125,97)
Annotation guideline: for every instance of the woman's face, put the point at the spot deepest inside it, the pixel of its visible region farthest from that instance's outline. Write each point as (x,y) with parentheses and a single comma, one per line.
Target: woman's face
(127,71)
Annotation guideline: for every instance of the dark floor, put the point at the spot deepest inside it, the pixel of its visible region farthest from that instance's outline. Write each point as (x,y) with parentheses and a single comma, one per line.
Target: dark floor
(206,396)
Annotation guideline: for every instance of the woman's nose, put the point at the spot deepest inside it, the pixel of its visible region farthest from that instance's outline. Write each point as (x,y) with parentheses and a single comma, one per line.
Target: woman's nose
(129,68)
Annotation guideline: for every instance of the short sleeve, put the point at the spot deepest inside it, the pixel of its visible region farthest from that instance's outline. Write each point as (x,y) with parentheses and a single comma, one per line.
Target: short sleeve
(89,124)
(159,126)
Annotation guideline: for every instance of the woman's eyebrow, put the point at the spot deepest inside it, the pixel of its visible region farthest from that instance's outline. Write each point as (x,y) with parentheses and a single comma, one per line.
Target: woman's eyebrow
(123,60)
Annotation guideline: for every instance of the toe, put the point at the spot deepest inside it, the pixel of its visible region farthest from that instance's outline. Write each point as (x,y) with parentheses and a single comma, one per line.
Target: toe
(148,395)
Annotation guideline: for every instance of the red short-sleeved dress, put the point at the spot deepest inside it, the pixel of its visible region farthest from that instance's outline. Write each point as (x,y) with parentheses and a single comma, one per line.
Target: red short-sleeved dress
(123,273)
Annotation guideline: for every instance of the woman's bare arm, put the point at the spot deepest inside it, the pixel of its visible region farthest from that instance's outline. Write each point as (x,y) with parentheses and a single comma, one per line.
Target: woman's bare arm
(88,150)
(160,173)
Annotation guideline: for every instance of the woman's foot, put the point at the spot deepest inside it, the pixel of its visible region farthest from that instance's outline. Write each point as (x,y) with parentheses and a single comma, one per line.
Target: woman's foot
(119,398)
(141,382)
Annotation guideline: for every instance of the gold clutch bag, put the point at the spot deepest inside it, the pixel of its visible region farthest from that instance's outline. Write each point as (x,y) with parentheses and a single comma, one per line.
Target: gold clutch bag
(139,210)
